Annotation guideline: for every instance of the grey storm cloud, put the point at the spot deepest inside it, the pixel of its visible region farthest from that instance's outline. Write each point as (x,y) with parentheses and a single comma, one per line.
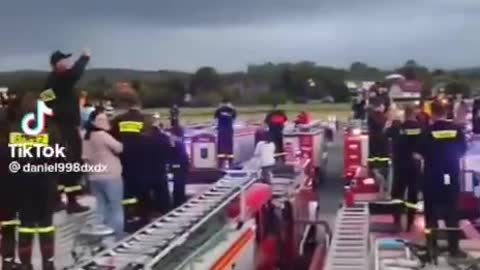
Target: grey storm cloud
(185,34)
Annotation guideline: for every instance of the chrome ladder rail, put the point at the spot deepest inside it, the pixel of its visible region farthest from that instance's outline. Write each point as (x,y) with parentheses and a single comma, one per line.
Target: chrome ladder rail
(349,246)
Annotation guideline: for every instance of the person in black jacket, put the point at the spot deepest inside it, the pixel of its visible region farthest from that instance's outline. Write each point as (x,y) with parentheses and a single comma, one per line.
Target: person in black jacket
(174,116)
(378,141)
(179,166)
(225,116)
(275,120)
(8,192)
(359,108)
(127,128)
(406,169)
(59,94)
(442,146)
(37,190)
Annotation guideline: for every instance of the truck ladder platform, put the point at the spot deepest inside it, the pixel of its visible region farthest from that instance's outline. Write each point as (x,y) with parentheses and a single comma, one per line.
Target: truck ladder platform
(349,247)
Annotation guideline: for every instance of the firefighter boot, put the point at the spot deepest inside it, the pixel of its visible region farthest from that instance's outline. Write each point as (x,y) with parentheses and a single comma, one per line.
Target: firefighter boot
(410,219)
(453,244)
(60,205)
(25,242)
(47,247)
(432,246)
(397,220)
(73,207)
(8,247)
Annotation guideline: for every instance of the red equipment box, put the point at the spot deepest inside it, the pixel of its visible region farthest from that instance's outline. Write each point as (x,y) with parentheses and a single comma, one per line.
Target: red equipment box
(355,153)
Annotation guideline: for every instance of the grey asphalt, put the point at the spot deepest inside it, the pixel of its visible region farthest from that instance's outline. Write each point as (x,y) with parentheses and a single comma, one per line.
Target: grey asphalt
(331,190)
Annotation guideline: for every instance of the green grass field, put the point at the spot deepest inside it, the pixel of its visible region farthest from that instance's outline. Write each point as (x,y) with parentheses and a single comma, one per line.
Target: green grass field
(318,111)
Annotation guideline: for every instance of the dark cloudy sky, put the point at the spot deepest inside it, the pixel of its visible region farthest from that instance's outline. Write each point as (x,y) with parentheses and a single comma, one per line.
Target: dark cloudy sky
(230,34)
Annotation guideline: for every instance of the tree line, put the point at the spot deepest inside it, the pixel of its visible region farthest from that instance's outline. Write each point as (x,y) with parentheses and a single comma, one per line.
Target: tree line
(260,84)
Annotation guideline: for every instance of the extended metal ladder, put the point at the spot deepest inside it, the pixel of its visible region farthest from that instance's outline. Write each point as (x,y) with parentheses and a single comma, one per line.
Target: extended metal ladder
(349,247)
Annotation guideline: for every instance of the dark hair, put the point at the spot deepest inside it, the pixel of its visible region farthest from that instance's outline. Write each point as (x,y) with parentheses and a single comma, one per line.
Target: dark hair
(438,108)
(89,127)
(409,111)
(128,98)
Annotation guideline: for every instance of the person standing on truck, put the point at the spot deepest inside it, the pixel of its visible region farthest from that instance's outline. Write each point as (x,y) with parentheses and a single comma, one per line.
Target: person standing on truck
(406,169)
(442,146)
(174,116)
(59,94)
(225,116)
(378,159)
(359,108)
(127,128)
(38,189)
(276,120)
(265,152)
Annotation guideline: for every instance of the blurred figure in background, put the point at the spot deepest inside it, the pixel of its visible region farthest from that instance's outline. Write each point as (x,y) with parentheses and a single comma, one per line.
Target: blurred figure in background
(174,116)
(476,116)
(276,120)
(107,186)
(225,116)
(86,108)
(359,108)
(303,118)
(265,152)
(461,113)
(179,166)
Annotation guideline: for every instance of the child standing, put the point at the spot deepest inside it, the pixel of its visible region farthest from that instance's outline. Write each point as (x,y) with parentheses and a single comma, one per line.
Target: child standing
(107,186)
(265,152)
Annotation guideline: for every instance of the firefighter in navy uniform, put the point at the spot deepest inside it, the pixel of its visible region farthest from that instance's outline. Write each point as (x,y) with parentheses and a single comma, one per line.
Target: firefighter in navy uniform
(38,189)
(127,128)
(442,146)
(275,121)
(406,169)
(60,96)
(174,117)
(149,165)
(8,193)
(378,141)
(225,116)
(179,166)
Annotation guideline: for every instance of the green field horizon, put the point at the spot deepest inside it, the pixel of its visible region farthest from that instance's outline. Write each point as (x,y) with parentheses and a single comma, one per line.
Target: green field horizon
(257,113)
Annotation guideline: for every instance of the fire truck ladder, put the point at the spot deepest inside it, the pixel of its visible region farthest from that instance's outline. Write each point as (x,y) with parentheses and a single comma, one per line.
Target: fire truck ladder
(349,247)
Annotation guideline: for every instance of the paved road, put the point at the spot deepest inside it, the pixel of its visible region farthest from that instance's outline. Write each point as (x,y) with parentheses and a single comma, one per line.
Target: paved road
(331,191)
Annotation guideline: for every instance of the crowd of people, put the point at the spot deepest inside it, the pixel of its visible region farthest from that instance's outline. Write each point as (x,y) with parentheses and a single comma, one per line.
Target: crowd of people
(424,146)
(138,155)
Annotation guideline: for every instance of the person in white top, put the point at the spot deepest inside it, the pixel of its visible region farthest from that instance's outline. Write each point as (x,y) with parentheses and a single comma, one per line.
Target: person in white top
(265,152)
